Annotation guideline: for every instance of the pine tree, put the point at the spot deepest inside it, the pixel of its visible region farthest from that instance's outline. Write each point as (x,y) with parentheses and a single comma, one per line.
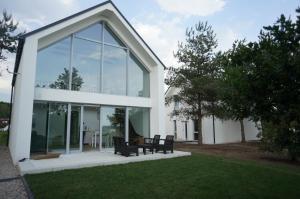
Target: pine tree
(8,36)
(197,76)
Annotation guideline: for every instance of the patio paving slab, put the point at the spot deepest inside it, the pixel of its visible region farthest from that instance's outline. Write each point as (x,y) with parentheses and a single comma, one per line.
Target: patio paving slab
(89,159)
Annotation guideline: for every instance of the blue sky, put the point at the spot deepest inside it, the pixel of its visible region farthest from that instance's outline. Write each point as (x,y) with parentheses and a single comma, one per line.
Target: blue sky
(161,23)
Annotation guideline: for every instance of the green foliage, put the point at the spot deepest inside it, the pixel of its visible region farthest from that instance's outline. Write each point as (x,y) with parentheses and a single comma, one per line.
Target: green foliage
(280,137)
(237,64)
(3,138)
(197,77)
(275,85)
(8,37)
(4,110)
(62,81)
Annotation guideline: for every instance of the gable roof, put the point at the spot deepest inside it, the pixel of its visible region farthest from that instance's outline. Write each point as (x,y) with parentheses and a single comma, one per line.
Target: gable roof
(23,37)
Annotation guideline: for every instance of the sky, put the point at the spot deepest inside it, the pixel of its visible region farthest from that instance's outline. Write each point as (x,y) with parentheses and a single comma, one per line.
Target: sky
(161,23)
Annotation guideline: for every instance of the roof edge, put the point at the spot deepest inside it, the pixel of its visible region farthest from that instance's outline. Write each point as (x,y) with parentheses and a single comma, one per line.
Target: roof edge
(23,37)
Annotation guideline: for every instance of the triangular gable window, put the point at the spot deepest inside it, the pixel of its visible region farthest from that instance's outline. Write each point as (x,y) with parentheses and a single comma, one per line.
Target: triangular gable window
(93,32)
(111,38)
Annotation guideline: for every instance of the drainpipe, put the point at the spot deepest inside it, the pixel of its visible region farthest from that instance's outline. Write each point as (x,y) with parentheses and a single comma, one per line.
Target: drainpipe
(10,110)
(214,130)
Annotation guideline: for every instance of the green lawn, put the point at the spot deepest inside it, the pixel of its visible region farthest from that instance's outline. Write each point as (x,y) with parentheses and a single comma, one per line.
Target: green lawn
(198,176)
(3,138)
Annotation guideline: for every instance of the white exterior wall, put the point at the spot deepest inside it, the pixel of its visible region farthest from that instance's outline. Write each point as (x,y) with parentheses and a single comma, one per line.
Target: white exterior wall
(25,91)
(225,131)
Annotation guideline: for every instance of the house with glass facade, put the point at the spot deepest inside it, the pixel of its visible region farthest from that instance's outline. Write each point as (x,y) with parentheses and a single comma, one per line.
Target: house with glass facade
(82,80)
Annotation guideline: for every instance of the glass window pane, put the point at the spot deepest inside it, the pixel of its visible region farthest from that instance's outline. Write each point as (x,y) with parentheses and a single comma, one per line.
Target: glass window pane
(93,32)
(52,69)
(86,66)
(114,70)
(112,122)
(75,128)
(111,38)
(91,125)
(138,80)
(139,124)
(39,128)
(57,127)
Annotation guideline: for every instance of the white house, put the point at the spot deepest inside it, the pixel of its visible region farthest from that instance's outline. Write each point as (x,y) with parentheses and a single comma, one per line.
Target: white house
(81,80)
(185,129)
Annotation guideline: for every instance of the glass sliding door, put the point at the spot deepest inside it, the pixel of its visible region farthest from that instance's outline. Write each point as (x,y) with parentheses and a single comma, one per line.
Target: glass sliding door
(75,127)
(139,124)
(112,124)
(57,127)
(91,128)
(39,128)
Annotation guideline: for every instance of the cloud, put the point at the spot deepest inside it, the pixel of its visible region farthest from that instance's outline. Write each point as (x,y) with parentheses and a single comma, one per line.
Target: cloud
(192,7)
(162,35)
(226,36)
(36,13)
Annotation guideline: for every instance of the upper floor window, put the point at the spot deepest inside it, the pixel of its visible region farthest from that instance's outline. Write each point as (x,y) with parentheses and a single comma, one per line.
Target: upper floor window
(92,60)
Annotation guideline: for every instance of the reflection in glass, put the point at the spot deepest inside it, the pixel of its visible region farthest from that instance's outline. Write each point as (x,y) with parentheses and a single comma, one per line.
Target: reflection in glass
(139,124)
(51,63)
(39,128)
(57,127)
(75,128)
(138,79)
(111,38)
(91,126)
(86,61)
(93,32)
(112,124)
(114,70)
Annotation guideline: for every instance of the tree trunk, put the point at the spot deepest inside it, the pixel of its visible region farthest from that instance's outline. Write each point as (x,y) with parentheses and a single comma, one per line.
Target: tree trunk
(242,131)
(200,138)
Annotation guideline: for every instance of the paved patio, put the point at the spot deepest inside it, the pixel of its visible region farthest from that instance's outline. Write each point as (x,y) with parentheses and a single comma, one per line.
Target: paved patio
(89,159)
(11,184)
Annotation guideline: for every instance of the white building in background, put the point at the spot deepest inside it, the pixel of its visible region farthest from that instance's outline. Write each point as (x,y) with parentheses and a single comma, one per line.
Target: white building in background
(187,130)
(82,80)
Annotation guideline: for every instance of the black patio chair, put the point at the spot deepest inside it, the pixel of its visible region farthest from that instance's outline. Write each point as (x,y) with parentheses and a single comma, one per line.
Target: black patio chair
(124,148)
(150,143)
(168,144)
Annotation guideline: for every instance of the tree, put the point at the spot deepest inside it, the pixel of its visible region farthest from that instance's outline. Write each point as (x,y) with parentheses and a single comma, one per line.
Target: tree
(236,67)
(275,85)
(196,77)
(62,81)
(8,37)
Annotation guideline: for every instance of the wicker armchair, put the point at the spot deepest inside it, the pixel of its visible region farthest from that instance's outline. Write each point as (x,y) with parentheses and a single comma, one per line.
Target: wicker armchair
(167,145)
(123,147)
(150,143)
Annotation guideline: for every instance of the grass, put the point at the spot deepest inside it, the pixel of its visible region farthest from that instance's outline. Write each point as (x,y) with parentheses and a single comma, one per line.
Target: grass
(3,138)
(198,176)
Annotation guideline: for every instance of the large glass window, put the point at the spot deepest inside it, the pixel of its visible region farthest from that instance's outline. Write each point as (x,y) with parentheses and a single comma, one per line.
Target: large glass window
(99,61)
(57,127)
(86,66)
(111,38)
(138,80)
(93,32)
(112,121)
(114,70)
(50,124)
(53,65)
(75,127)
(39,128)
(139,124)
